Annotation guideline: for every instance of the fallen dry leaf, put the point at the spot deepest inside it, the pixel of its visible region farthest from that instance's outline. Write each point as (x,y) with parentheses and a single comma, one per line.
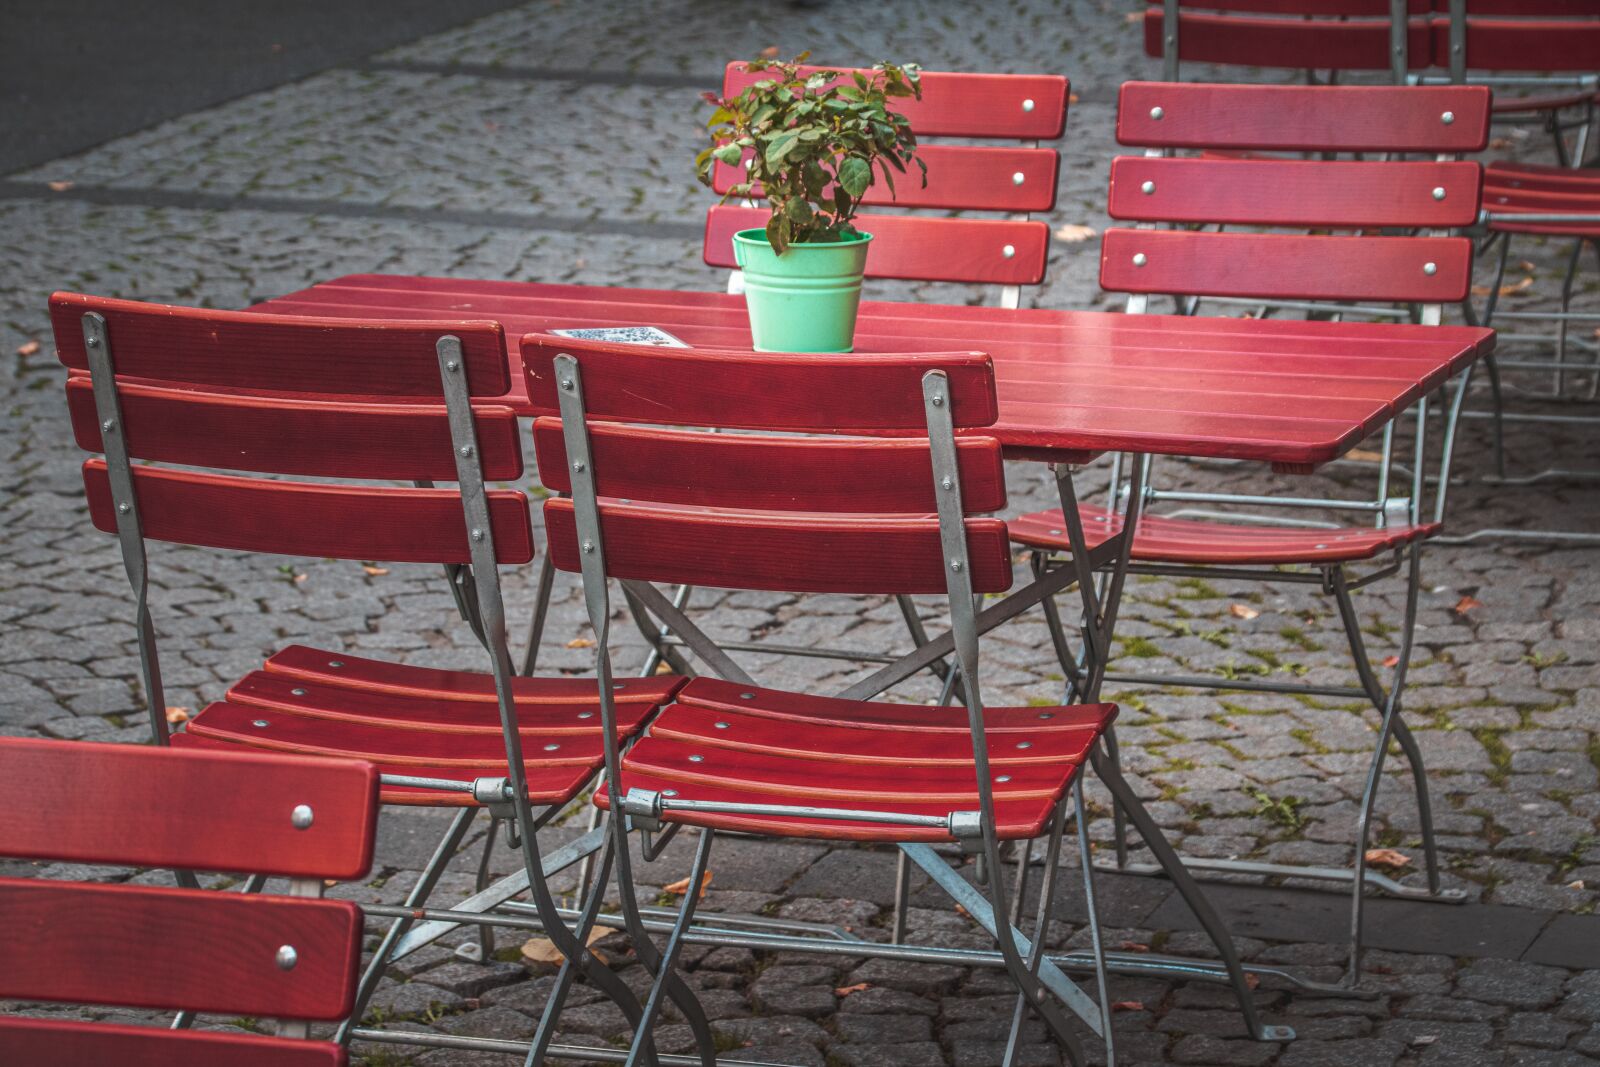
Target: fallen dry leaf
(329,883)
(1242,611)
(663,667)
(28,348)
(1578,884)
(1134,16)
(770,52)
(1528,267)
(1391,661)
(1363,455)
(1505,290)
(59,187)
(1128,1005)
(963,912)
(376,572)
(1387,857)
(297,579)
(845,991)
(175,715)
(1424,1039)
(1074,233)
(1500,142)
(681,886)
(580,642)
(1252,980)
(1072,98)
(543,950)
(1134,946)
(1466,604)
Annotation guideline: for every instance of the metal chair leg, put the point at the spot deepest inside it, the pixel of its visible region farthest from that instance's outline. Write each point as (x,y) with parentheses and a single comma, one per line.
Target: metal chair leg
(548,1019)
(902,892)
(665,960)
(541,610)
(486,933)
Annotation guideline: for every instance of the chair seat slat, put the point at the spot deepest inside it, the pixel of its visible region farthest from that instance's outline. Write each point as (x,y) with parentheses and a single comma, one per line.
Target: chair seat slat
(70,1043)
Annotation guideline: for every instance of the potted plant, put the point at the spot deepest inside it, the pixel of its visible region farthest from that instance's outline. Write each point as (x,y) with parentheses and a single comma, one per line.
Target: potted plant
(815,141)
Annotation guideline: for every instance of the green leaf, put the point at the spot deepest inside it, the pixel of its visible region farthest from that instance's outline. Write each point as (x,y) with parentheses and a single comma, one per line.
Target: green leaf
(730,154)
(780,146)
(855,175)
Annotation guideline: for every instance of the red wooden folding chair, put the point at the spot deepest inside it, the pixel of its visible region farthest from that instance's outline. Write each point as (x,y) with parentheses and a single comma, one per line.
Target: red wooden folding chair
(1310,35)
(230,954)
(340,400)
(1238,534)
(774,510)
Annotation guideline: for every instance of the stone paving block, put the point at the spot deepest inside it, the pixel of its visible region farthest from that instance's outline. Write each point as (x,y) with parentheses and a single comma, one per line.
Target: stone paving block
(1517,985)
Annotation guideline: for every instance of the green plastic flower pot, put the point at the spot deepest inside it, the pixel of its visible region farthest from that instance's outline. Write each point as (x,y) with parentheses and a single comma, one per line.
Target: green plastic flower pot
(806,299)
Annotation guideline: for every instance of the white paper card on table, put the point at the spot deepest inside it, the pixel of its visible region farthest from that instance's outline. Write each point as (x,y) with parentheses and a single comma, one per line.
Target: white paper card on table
(625,335)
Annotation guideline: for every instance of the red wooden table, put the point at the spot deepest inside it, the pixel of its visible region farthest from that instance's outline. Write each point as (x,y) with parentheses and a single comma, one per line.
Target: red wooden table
(1071,383)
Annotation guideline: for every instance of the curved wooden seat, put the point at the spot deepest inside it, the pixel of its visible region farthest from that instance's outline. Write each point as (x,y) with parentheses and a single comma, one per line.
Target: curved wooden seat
(1166,540)
(777,747)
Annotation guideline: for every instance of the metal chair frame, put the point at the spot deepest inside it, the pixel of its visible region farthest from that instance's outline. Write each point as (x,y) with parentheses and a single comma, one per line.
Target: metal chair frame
(477,590)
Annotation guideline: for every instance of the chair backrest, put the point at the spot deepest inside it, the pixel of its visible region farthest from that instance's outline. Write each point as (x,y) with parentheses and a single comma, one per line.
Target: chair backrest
(1310,35)
(1496,36)
(264,394)
(235,954)
(1360,196)
(787,511)
(1420,202)
(1018,180)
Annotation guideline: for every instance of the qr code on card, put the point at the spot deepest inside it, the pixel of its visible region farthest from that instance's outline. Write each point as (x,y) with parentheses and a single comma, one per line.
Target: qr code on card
(625,335)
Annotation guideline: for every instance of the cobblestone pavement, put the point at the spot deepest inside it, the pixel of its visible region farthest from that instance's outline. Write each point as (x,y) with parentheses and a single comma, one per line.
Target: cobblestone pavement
(552,143)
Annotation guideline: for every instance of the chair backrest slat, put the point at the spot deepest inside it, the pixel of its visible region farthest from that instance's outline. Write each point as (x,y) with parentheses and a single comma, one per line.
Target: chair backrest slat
(736,510)
(309,519)
(814,554)
(70,1043)
(146,947)
(88,803)
(1298,118)
(963,177)
(279,353)
(770,473)
(1023,107)
(1296,43)
(1273,192)
(1499,44)
(1287,266)
(916,248)
(760,391)
(298,437)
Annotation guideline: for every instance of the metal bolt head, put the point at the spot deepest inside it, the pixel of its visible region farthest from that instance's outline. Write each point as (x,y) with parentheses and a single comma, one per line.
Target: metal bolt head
(938,400)
(588,547)
(1157,114)
(1139,259)
(577,465)
(298,692)
(566,383)
(1147,188)
(1047,715)
(287,957)
(124,507)
(585,714)
(1027,105)
(477,535)
(1018,178)
(336,663)
(466,450)
(1024,744)
(301,817)
(106,426)
(451,365)
(721,725)
(1008,251)
(955,564)
(551,747)
(697,759)
(1002,778)
(260,724)
(747,696)
(92,341)
(1430,268)
(1448,118)
(1438,192)
(947,482)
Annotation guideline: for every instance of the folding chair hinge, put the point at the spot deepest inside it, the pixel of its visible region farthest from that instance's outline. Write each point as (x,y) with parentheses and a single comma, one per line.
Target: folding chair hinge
(497,795)
(643,809)
(967,828)
(1397,511)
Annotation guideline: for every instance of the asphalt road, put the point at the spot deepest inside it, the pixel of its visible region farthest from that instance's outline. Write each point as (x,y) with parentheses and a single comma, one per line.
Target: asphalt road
(75,73)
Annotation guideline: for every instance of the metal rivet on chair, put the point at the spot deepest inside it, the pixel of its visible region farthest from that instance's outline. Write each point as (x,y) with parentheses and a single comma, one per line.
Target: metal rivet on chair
(1027,105)
(1430,268)
(938,400)
(577,465)
(619,685)
(452,365)
(955,564)
(1047,715)
(1018,178)
(301,817)
(107,425)
(124,507)
(585,714)
(1008,251)
(721,725)
(1448,117)
(477,535)
(1024,744)
(260,724)
(1438,192)
(697,759)
(1002,778)
(1322,546)
(287,957)
(566,383)
(298,692)
(1147,188)
(551,747)
(947,482)
(1156,113)
(466,450)
(336,663)
(747,696)
(588,546)
(92,342)
(669,792)
(1139,259)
